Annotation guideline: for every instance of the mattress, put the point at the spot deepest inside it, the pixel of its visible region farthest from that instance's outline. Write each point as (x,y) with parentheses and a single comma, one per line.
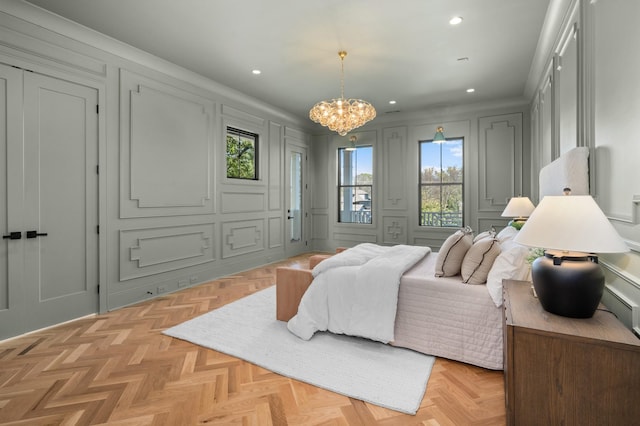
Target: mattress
(445,317)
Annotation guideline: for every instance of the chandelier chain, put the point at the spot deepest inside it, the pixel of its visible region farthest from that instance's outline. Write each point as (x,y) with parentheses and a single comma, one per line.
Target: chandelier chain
(342,55)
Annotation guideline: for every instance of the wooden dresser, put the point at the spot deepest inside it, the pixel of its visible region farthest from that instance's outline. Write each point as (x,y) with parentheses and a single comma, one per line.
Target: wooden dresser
(565,371)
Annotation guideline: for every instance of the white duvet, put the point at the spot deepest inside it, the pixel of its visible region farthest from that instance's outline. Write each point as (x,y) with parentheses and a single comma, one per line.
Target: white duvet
(355,292)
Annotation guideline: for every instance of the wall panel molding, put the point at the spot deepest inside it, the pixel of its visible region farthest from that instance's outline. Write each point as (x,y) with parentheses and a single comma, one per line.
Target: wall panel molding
(485,223)
(276,163)
(242,202)
(354,238)
(322,183)
(568,76)
(394,145)
(394,230)
(625,289)
(547,142)
(275,232)
(148,251)
(320,226)
(242,237)
(535,149)
(166,145)
(500,161)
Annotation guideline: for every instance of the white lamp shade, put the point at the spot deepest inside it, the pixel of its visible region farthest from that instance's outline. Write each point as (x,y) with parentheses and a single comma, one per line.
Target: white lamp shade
(518,207)
(570,223)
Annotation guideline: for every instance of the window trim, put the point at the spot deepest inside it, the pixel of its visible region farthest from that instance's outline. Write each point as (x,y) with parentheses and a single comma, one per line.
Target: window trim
(236,131)
(440,184)
(340,186)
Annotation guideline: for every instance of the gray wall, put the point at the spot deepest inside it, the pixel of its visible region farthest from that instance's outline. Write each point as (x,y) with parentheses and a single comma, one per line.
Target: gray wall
(585,93)
(496,168)
(582,91)
(169,217)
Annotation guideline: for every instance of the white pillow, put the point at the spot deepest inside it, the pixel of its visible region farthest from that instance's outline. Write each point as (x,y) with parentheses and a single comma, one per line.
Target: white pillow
(506,234)
(511,264)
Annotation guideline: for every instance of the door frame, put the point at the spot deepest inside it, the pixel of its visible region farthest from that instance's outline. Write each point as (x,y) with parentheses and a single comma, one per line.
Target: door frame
(294,248)
(97,81)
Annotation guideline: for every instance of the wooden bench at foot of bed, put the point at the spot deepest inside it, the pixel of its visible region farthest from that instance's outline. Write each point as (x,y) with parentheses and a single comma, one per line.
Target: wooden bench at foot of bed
(292,283)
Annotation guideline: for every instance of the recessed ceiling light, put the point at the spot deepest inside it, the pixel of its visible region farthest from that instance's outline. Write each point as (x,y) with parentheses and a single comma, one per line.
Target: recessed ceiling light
(471,90)
(455,20)
(256,72)
(392,102)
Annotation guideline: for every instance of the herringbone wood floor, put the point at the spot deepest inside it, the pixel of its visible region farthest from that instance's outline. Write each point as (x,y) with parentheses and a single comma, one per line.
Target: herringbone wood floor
(118,369)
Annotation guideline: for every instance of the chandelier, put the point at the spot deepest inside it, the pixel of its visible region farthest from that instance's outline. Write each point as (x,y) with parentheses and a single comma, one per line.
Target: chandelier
(342,115)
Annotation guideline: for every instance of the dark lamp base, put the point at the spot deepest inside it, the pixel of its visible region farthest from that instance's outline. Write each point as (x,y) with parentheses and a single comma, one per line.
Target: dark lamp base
(569,286)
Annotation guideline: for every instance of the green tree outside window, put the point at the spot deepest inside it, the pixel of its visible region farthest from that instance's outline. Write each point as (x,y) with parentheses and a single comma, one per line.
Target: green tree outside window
(242,154)
(441,183)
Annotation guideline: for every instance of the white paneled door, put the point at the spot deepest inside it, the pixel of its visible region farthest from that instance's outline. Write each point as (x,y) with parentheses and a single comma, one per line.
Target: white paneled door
(50,241)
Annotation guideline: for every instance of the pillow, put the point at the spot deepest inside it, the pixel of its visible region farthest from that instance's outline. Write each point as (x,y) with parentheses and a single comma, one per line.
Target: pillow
(508,233)
(452,253)
(491,233)
(478,261)
(511,264)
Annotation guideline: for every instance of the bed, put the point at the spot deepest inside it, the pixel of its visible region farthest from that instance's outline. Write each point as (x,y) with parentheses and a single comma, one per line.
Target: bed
(444,316)
(440,316)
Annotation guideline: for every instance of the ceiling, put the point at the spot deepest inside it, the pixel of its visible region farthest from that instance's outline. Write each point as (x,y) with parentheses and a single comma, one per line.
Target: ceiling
(402,50)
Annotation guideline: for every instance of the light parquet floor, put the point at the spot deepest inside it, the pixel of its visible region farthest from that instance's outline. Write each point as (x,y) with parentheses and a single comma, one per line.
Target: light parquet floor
(118,369)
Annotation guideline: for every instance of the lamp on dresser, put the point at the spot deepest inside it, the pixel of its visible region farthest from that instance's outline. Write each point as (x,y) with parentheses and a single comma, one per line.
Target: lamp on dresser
(519,208)
(571,228)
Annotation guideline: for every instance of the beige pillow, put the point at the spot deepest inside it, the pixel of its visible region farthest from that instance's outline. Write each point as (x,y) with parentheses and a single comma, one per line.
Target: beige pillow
(491,233)
(452,253)
(478,261)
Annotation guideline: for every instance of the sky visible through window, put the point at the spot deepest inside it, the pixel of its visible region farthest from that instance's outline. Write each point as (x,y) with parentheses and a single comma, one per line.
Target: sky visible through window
(451,154)
(365,162)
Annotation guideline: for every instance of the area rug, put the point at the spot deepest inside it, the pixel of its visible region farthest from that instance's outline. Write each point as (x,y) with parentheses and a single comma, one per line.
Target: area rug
(383,375)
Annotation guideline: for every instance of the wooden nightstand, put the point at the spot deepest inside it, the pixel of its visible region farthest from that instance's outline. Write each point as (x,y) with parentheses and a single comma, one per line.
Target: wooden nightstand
(567,371)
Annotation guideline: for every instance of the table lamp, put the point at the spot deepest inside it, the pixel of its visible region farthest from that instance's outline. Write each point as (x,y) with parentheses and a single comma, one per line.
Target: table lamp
(571,228)
(518,208)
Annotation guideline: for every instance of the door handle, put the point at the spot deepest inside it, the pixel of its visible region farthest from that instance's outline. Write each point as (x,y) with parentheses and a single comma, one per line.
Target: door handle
(33,234)
(13,236)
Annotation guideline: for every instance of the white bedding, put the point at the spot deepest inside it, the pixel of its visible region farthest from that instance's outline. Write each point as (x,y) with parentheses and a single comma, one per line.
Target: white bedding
(355,292)
(447,318)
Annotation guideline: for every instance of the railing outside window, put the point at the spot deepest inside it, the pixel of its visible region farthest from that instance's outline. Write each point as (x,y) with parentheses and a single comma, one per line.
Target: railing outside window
(441,182)
(445,219)
(355,185)
(358,217)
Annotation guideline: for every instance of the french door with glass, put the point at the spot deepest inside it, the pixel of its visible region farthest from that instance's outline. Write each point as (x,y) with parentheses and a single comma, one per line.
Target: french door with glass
(295,236)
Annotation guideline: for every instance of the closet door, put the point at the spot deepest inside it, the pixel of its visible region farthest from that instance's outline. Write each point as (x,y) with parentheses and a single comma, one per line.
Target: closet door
(12,298)
(48,185)
(61,200)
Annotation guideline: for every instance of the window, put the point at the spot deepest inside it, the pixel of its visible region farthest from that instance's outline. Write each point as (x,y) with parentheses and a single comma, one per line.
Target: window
(242,154)
(441,183)
(355,184)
